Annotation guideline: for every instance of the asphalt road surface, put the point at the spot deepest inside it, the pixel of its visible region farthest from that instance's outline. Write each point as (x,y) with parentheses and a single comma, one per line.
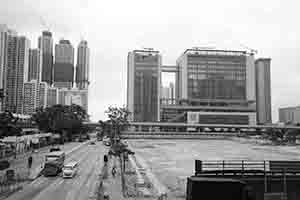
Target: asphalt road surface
(81,186)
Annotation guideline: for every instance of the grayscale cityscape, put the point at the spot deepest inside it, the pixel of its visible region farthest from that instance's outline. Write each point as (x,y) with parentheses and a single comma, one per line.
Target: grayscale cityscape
(88,112)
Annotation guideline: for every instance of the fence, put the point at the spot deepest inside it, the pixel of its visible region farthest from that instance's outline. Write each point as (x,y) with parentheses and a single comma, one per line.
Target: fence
(235,165)
(247,166)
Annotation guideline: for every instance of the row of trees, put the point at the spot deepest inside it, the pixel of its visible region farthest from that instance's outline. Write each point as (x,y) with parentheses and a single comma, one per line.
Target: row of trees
(62,119)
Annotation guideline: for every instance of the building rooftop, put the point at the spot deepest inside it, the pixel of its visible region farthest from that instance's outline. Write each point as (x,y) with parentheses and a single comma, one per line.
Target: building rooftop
(47,33)
(208,51)
(262,59)
(290,107)
(63,41)
(146,50)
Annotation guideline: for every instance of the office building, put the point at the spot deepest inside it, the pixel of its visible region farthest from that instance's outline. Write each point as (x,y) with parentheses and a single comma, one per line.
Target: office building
(42,94)
(290,115)
(263,91)
(64,65)
(35,65)
(217,86)
(52,96)
(45,44)
(82,68)
(73,96)
(30,97)
(143,85)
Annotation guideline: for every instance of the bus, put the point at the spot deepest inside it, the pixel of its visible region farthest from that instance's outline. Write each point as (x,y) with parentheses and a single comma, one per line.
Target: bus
(54,162)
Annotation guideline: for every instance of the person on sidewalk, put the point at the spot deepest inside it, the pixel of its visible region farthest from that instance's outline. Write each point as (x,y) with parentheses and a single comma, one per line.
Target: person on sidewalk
(114,171)
(30,159)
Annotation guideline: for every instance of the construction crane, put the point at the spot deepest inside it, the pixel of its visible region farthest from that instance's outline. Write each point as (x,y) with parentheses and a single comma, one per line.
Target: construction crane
(252,51)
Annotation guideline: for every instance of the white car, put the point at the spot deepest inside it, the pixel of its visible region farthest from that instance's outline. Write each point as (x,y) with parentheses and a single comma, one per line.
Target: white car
(106,141)
(70,170)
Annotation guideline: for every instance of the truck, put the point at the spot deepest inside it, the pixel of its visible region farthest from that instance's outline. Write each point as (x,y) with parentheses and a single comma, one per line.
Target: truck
(54,162)
(208,188)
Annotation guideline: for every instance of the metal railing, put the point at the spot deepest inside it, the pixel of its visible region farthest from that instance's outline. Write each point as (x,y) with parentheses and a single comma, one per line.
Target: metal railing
(247,167)
(242,165)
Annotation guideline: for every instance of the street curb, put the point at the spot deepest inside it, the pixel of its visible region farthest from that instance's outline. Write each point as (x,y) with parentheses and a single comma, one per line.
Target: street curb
(67,153)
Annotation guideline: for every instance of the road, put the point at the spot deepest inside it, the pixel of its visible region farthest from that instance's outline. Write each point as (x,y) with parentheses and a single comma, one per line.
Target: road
(82,186)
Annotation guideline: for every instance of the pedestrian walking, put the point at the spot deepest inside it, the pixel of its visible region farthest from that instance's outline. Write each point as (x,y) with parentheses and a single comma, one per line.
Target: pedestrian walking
(114,171)
(105,158)
(30,159)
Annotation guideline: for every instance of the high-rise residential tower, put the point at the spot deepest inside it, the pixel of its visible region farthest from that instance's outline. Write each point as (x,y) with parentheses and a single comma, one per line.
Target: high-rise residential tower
(22,71)
(263,91)
(35,65)
(30,97)
(52,96)
(64,65)
(143,85)
(82,68)
(5,32)
(3,52)
(42,95)
(45,44)
(17,72)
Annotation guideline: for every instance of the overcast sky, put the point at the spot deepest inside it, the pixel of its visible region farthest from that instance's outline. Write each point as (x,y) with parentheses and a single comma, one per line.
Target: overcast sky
(114,27)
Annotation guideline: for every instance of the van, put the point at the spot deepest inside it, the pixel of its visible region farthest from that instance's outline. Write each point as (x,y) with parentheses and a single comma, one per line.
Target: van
(70,169)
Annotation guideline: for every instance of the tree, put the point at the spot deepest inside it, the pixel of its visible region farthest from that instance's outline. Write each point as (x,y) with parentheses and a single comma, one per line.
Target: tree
(118,120)
(63,119)
(8,125)
(291,135)
(276,135)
